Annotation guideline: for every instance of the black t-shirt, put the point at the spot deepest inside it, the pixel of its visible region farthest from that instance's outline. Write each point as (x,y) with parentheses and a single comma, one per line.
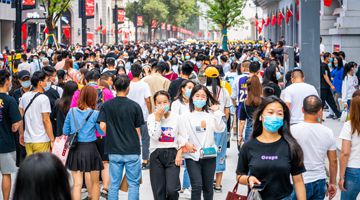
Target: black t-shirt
(324,71)
(60,119)
(9,114)
(18,94)
(122,116)
(275,87)
(270,163)
(246,112)
(53,95)
(174,87)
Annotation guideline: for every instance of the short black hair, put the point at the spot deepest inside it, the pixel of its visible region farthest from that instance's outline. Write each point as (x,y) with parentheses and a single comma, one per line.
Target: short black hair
(161,92)
(121,83)
(297,71)
(254,67)
(326,55)
(92,75)
(110,61)
(223,58)
(24,56)
(187,68)
(160,67)
(312,104)
(4,76)
(48,70)
(78,56)
(37,77)
(136,70)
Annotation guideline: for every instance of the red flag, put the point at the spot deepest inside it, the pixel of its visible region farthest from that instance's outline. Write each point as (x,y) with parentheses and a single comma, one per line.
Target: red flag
(298,16)
(297,2)
(273,21)
(260,29)
(256,23)
(289,14)
(268,20)
(98,28)
(153,23)
(24,31)
(280,18)
(262,22)
(46,30)
(327,3)
(66,31)
(104,31)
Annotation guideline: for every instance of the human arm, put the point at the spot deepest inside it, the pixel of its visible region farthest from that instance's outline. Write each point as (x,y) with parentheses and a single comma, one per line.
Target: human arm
(154,124)
(15,115)
(21,128)
(344,158)
(299,187)
(227,113)
(48,127)
(333,172)
(103,126)
(241,126)
(344,92)
(219,125)
(148,104)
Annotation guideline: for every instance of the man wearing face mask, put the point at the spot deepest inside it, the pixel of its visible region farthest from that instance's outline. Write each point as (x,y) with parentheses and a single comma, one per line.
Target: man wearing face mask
(36,133)
(24,78)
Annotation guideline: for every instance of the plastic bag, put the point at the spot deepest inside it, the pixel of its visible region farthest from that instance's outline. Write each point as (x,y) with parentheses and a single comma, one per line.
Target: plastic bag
(254,195)
(344,115)
(60,148)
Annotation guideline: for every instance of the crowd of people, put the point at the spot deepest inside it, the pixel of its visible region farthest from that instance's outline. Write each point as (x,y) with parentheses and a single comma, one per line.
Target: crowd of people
(167,107)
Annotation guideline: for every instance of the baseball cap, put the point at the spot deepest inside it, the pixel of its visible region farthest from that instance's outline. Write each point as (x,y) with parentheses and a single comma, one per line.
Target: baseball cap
(212,72)
(23,74)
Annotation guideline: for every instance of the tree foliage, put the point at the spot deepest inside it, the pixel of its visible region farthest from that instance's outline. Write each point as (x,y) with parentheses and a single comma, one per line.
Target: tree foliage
(54,10)
(225,13)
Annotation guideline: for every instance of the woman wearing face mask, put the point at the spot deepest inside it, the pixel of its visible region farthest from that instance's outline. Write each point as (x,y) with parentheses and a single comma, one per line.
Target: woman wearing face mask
(271,78)
(337,75)
(164,143)
(181,106)
(272,154)
(349,85)
(198,127)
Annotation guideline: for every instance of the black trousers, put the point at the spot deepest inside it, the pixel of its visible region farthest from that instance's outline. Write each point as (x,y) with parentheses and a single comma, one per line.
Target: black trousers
(201,175)
(327,96)
(164,174)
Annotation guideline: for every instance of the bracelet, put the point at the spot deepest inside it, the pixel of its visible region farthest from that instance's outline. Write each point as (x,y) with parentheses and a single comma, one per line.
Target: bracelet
(248,180)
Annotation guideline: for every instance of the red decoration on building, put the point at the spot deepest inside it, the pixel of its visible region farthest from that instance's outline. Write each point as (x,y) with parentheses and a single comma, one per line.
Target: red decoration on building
(280,18)
(327,3)
(66,31)
(163,26)
(104,31)
(289,14)
(89,8)
(273,21)
(139,21)
(121,15)
(268,20)
(24,31)
(153,23)
(168,27)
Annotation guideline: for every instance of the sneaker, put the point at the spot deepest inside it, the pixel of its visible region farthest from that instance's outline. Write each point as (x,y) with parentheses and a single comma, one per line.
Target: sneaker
(83,190)
(218,189)
(104,193)
(186,194)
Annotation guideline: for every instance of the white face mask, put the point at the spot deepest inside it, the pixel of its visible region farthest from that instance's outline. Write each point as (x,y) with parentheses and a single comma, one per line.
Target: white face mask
(56,80)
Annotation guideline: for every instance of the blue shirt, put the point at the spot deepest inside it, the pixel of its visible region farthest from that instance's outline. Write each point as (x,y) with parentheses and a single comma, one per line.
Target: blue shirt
(87,132)
(337,75)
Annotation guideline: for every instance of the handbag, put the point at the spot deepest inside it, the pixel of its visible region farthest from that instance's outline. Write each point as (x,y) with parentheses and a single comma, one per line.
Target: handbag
(71,141)
(205,152)
(60,149)
(233,195)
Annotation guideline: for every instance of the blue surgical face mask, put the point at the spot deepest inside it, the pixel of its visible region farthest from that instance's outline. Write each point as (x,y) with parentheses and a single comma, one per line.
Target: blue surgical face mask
(255,59)
(26,84)
(331,60)
(272,123)
(278,75)
(169,57)
(48,85)
(199,103)
(330,65)
(167,108)
(187,57)
(187,92)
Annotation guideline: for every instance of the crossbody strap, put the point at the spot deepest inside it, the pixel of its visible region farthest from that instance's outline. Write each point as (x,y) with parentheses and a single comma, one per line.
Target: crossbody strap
(194,133)
(31,101)
(83,123)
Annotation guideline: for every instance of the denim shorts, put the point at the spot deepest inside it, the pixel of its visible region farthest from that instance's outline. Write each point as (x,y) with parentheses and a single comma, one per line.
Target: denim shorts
(221,142)
(352,184)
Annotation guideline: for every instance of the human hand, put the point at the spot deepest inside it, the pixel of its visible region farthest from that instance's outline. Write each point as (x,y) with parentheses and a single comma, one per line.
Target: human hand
(159,113)
(240,140)
(215,107)
(333,88)
(345,105)
(191,148)
(331,191)
(252,181)
(341,184)
(21,140)
(178,159)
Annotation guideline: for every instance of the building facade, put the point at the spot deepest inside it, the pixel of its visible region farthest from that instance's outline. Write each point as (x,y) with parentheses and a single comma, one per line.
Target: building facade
(7,19)
(339,25)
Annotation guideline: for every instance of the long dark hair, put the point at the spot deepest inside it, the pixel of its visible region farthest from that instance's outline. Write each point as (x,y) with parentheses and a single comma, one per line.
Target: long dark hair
(340,62)
(42,176)
(64,102)
(254,92)
(347,68)
(209,101)
(295,149)
(214,83)
(270,74)
(179,95)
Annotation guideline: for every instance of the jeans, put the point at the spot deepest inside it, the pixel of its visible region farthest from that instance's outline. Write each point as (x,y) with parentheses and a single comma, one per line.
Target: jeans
(132,164)
(186,178)
(145,140)
(201,177)
(248,129)
(221,142)
(164,174)
(352,184)
(314,191)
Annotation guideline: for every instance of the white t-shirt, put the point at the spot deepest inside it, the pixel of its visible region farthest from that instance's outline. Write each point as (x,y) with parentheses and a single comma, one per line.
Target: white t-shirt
(345,134)
(295,95)
(179,108)
(315,140)
(34,126)
(24,66)
(138,92)
(223,97)
(230,77)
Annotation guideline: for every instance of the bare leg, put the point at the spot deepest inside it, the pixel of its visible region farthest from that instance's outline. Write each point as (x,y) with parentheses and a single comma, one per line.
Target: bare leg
(6,186)
(88,183)
(218,179)
(105,175)
(95,185)
(78,182)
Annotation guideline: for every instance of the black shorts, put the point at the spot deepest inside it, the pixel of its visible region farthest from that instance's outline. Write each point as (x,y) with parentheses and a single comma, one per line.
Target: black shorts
(100,144)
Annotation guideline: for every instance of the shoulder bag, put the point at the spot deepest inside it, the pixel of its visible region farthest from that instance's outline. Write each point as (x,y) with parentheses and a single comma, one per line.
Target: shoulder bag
(71,141)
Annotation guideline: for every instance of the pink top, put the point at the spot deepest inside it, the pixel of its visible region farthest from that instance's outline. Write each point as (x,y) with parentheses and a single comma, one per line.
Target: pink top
(172,76)
(107,94)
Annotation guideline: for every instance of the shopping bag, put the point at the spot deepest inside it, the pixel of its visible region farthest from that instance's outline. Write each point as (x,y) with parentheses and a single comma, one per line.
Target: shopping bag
(233,195)
(344,115)
(254,195)
(124,185)
(60,149)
